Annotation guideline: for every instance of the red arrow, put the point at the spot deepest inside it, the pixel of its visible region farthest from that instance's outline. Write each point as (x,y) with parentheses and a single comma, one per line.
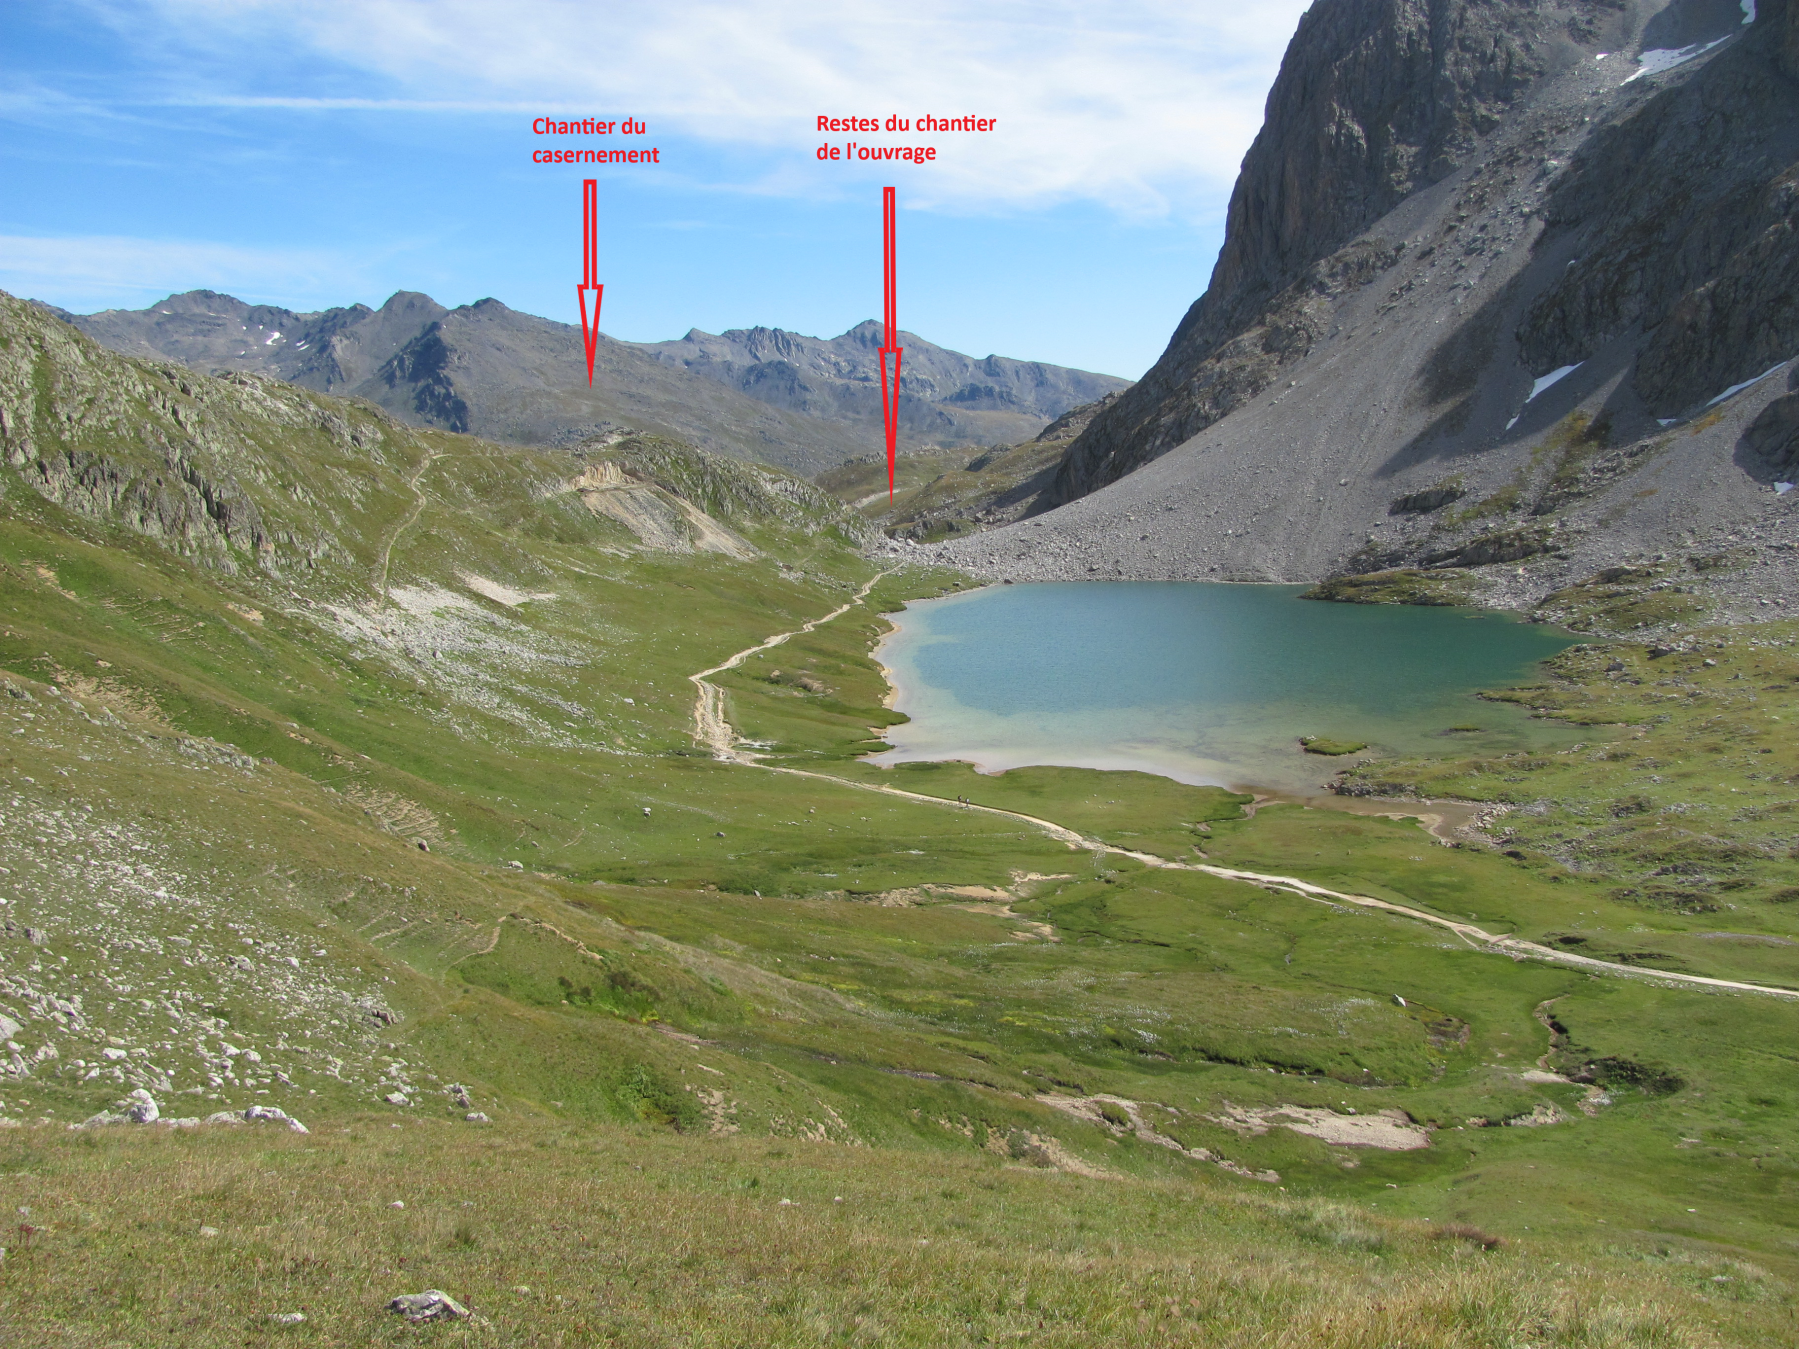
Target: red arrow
(889,393)
(590,266)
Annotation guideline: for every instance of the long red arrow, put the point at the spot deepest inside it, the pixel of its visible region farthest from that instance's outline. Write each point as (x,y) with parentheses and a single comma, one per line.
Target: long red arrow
(890,307)
(590,267)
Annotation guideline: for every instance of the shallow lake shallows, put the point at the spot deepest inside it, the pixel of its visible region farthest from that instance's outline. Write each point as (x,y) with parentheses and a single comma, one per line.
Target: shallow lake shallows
(1201,681)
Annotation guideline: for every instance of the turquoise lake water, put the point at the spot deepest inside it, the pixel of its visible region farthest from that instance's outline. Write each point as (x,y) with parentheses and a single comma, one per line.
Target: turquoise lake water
(1203,682)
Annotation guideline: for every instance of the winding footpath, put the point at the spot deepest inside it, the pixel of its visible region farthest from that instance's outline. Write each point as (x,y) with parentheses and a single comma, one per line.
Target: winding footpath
(713,730)
(418,506)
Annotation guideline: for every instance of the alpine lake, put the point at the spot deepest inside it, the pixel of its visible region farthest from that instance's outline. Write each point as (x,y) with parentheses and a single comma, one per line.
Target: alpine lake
(1206,683)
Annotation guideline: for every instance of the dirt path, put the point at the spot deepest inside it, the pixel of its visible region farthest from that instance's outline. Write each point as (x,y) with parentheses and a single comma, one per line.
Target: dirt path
(387,550)
(713,730)
(711,727)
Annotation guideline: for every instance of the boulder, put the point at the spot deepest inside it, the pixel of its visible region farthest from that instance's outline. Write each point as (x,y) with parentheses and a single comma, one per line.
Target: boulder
(276,1115)
(431,1305)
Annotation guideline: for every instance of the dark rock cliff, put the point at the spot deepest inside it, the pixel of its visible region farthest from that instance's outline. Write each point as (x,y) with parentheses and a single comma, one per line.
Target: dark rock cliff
(1511,289)
(1375,100)
(1682,216)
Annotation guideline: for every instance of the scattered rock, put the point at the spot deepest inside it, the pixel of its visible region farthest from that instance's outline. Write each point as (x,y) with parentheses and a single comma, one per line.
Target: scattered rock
(9,1029)
(1544,1113)
(459,1095)
(209,1231)
(396,1098)
(430,1305)
(143,1108)
(276,1115)
(287,1318)
(477,1117)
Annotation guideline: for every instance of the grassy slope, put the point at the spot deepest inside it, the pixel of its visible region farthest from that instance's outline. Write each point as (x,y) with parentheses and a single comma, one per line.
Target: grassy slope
(893,987)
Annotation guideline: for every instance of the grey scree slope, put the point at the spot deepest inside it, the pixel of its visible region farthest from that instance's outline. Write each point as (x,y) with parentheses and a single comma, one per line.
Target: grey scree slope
(1643,228)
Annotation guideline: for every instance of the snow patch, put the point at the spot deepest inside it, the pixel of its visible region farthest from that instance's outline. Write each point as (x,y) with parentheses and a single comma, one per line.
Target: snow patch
(1735,389)
(271,339)
(1666,58)
(1782,488)
(1748,12)
(1552,378)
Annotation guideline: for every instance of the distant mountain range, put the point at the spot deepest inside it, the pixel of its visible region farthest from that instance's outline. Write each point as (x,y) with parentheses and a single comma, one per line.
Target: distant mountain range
(804,403)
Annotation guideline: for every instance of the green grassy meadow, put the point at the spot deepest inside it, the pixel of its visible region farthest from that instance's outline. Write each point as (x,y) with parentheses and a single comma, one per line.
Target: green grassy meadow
(398,816)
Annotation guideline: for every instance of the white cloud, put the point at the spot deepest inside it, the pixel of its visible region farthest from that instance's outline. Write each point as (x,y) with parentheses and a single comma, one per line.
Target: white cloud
(1143,105)
(85,273)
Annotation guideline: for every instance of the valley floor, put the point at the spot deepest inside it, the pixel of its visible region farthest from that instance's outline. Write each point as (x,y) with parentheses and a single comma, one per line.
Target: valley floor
(401,827)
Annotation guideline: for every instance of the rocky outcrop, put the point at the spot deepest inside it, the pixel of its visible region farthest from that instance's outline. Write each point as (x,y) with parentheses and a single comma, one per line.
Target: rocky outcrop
(185,459)
(420,374)
(1771,444)
(181,503)
(1375,100)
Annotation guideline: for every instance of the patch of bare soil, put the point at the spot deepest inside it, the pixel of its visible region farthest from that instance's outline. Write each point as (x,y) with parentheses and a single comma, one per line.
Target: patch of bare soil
(1390,1130)
(1107,1111)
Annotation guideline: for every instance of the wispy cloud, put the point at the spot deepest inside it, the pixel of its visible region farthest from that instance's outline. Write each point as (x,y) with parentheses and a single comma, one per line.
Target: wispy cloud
(344,104)
(1144,105)
(86,272)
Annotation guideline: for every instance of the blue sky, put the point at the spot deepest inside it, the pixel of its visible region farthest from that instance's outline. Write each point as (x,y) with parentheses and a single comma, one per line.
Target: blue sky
(322,152)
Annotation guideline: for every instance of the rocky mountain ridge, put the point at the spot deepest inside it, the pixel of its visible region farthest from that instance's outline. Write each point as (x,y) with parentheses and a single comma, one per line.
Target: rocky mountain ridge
(799,402)
(1507,288)
(256,478)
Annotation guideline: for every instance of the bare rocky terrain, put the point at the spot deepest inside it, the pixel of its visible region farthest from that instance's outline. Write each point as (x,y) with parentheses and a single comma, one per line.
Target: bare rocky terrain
(1505,295)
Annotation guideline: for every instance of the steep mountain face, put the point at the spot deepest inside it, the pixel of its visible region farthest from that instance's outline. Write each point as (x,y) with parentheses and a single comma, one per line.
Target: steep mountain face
(1508,287)
(799,402)
(1375,99)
